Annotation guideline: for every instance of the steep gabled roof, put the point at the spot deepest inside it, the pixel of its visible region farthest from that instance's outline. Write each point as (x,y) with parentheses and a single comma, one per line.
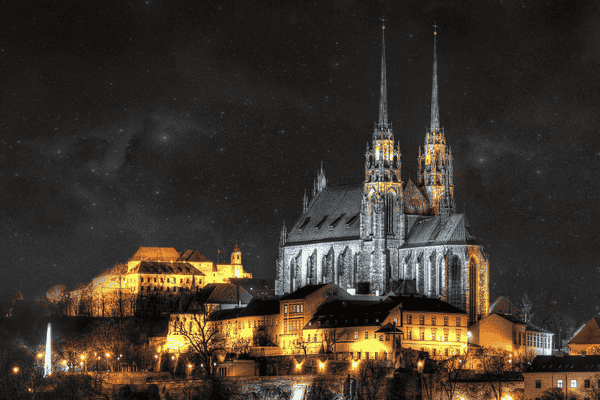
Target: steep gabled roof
(511,319)
(222,293)
(155,254)
(589,334)
(426,304)
(260,307)
(414,201)
(437,229)
(166,268)
(193,256)
(303,292)
(333,214)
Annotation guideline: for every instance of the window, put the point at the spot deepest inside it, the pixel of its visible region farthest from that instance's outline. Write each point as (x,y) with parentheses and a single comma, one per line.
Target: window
(433,335)
(285,309)
(356,335)
(358,355)
(315,338)
(445,336)
(421,319)
(457,321)
(381,338)
(432,320)
(387,337)
(573,383)
(366,335)
(446,320)
(367,355)
(587,384)
(308,338)
(409,335)
(409,318)
(422,335)
(446,352)
(538,384)
(559,383)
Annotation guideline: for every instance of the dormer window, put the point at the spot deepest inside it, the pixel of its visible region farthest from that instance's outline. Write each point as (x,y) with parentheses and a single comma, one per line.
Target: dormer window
(320,224)
(306,221)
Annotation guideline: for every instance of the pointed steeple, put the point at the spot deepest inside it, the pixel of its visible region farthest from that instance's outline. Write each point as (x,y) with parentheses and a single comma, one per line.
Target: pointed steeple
(383,111)
(283,235)
(435,112)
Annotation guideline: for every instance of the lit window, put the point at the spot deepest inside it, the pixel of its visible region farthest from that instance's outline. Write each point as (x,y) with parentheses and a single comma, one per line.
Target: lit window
(381,338)
(421,319)
(355,335)
(573,383)
(366,334)
(587,384)
(445,336)
(409,318)
(446,320)
(432,320)
(409,335)
(559,383)
(422,335)
(457,321)
(433,335)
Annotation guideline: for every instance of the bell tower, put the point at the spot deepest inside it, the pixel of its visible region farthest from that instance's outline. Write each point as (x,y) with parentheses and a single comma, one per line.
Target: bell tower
(382,207)
(435,162)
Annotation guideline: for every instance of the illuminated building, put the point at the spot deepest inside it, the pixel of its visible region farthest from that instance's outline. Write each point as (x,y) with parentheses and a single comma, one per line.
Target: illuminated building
(585,337)
(366,329)
(368,236)
(509,333)
(153,281)
(575,377)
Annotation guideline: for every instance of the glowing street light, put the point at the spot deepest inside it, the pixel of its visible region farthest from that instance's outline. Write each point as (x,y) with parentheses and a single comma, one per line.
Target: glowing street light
(40,355)
(16,370)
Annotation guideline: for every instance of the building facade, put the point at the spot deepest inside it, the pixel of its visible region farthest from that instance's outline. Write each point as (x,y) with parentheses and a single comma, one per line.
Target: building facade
(366,236)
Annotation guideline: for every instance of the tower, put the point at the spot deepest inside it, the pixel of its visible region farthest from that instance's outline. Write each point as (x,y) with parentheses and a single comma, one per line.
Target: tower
(435,162)
(382,206)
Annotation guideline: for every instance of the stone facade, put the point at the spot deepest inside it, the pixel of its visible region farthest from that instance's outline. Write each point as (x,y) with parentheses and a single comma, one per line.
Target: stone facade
(365,237)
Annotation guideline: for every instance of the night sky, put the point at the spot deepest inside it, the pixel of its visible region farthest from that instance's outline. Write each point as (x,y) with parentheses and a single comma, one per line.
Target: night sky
(197,125)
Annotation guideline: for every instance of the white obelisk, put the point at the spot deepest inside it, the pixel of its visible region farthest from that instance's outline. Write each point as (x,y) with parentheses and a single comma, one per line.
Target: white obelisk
(48,359)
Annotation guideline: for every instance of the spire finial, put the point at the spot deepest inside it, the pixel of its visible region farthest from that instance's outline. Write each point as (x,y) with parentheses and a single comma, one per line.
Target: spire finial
(383,112)
(435,113)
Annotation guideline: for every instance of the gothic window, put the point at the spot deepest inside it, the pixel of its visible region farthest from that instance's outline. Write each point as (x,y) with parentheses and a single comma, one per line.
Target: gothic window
(455,282)
(473,289)
(389,211)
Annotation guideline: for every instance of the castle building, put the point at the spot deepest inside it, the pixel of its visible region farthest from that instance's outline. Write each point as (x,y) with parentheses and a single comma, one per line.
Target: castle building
(369,236)
(153,281)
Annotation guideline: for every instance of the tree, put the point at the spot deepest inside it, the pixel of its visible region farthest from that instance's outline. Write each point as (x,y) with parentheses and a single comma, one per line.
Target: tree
(448,372)
(57,296)
(204,341)
(553,394)
(372,378)
(526,306)
(495,364)
(330,339)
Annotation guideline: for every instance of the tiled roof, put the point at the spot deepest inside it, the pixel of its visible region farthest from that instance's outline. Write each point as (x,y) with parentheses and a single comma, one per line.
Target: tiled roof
(222,293)
(155,254)
(589,334)
(221,315)
(431,229)
(177,268)
(333,214)
(510,318)
(259,306)
(303,292)
(427,304)
(534,328)
(193,256)
(565,364)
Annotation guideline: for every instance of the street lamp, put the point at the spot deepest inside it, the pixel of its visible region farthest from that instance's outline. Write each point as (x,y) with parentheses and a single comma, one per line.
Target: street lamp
(16,370)
(107,357)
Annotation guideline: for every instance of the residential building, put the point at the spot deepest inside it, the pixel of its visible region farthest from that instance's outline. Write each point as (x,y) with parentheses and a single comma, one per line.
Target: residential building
(575,376)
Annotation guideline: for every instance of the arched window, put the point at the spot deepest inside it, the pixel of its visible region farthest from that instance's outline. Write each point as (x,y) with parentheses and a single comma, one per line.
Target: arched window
(389,211)
(473,289)
(455,282)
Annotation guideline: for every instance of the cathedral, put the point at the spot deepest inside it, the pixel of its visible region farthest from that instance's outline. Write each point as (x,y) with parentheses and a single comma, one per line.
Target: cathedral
(385,235)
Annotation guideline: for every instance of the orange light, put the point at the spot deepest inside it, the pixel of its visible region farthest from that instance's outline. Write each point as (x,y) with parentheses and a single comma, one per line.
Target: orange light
(298,366)
(107,355)
(16,370)
(40,355)
(189,365)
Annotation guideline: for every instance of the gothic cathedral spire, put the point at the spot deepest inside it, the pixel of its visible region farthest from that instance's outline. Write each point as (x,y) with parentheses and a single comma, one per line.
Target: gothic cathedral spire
(435,163)
(382,204)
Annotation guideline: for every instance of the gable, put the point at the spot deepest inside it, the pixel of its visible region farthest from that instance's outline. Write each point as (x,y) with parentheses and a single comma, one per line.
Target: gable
(589,334)
(414,201)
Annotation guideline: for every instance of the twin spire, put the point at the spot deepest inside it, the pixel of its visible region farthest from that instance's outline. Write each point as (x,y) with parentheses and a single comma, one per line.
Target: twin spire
(383,111)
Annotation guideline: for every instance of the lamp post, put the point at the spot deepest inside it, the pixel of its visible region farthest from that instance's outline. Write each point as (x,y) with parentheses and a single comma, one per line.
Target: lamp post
(107,357)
